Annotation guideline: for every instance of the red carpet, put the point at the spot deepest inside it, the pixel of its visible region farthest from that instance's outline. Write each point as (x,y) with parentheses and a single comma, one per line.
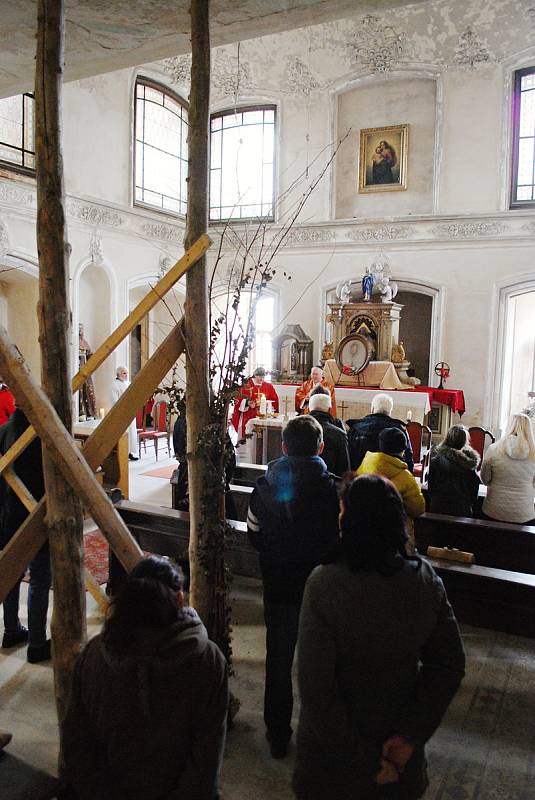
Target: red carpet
(163,472)
(95,556)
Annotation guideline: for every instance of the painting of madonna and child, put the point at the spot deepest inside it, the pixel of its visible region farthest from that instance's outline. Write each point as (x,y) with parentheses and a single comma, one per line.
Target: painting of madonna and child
(383,158)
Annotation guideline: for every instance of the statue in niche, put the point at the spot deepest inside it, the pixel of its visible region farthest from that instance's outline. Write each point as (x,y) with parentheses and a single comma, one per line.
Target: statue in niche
(87,404)
(367,285)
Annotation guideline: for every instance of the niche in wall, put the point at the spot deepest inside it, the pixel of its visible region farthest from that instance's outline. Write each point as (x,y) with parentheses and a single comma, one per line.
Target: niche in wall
(94,313)
(415,330)
(19,293)
(377,103)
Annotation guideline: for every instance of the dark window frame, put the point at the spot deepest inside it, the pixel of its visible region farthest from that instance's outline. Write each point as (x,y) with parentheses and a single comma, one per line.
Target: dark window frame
(22,169)
(228,112)
(159,87)
(517,83)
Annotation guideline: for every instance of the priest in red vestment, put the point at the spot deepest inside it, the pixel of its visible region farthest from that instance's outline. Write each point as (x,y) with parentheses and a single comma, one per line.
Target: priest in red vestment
(302,394)
(247,403)
(7,403)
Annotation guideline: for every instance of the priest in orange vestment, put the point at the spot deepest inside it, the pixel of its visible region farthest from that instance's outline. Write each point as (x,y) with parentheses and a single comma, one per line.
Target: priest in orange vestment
(246,405)
(303,393)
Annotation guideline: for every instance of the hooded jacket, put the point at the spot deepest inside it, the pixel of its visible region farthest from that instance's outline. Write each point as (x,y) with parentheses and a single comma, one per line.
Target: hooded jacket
(293,523)
(147,722)
(509,474)
(364,433)
(396,471)
(335,450)
(453,483)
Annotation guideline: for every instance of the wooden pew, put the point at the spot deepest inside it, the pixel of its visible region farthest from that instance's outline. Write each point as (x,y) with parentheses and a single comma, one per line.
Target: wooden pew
(500,545)
(498,591)
(248,474)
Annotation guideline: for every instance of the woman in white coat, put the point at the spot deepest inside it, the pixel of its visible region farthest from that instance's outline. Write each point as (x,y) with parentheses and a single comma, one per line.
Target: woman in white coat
(508,470)
(120,385)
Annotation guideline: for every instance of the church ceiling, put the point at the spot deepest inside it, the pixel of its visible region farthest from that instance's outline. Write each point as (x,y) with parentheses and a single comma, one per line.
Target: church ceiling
(464,35)
(104,35)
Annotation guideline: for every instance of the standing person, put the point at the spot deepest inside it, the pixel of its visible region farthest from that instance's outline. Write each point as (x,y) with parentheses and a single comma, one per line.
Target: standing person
(508,470)
(147,713)
(120,385)
(247,403)
(389,463)
(453,483)
(303,392)
(380,658)
(293,523)
(364,433)
(29,468)
(7,403)
(335,450)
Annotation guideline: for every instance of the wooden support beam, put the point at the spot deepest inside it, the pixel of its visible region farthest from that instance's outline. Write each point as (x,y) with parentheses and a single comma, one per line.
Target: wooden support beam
(32,535)
(95,591)
(26,498)
(192,255)
(16,449)
(64,453)
(114,424)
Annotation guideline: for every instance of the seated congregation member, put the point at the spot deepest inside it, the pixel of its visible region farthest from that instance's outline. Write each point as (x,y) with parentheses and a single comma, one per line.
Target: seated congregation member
(380,658)
(303,392)
(335,450)
(147,713)
(508,470)
(364,433)
(247,403)
(453,482)
(28,467)
(293,523)
(389,463)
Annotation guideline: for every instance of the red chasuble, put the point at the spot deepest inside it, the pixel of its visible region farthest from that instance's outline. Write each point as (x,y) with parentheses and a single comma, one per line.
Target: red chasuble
(247,402)
(301,396)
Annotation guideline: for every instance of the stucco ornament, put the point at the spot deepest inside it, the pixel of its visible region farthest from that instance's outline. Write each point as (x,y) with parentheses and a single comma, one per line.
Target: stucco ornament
(95,247)
(380,233)
(231,76)
(165,262)
(179,69)
(377,45)
(4,239)
(471,51)
(299,78)
(469,230)
(164,232)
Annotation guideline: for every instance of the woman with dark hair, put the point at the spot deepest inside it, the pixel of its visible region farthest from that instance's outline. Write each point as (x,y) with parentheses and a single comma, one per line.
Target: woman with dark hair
(146,719)
(380,658)
(453,483)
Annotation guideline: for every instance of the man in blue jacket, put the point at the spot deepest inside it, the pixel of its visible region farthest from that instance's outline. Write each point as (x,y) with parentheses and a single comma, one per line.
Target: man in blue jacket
(293,523)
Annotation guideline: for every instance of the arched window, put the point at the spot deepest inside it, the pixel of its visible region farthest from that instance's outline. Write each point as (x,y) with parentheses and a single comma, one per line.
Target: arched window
(161,150)
(242,163)
(17,137)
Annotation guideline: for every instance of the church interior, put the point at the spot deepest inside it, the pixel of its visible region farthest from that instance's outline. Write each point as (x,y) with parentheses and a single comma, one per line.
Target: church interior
(397,283)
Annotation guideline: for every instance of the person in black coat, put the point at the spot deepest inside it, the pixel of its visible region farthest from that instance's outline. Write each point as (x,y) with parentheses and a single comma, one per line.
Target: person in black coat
(28,466)
(335,449)
(453,483)
(364,433)
(293,522)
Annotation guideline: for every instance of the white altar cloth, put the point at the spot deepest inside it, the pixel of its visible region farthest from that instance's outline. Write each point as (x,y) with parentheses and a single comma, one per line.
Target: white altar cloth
(378,373)
(355,403)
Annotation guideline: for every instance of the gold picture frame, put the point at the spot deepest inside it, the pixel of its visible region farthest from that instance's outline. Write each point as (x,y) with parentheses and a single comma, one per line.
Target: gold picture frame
(383,158)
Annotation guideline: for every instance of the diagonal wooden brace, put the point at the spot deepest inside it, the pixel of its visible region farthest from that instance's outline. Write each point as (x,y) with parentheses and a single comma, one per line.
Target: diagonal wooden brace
(33,534)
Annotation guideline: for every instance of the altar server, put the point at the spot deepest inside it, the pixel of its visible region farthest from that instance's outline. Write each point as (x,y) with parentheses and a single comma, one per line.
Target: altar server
(247,403)
(120,385)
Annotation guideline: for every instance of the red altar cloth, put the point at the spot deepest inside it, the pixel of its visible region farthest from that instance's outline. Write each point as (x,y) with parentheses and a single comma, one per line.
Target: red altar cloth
(454,398)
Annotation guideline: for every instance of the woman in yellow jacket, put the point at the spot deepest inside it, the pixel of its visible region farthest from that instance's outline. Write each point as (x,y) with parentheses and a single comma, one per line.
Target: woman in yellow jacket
(388,463)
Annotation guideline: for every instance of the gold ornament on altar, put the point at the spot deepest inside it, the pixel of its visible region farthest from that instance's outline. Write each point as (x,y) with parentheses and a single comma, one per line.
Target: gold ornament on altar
(327,352)
(398,353)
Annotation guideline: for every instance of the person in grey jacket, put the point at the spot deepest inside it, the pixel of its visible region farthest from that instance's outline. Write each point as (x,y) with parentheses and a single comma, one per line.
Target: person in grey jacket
(380,658)
(147,713)
(508,470)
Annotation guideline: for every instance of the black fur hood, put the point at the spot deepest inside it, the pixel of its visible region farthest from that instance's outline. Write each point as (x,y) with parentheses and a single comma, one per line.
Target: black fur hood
(467,458)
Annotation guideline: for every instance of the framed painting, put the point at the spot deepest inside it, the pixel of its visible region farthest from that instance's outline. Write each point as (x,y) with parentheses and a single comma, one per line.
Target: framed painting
(383,158)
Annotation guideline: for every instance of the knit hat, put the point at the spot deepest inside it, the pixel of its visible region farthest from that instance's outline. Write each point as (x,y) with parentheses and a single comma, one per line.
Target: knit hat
(320,402)
(392,441)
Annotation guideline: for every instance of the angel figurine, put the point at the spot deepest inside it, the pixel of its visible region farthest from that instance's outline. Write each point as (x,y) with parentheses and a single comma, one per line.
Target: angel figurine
(343,292)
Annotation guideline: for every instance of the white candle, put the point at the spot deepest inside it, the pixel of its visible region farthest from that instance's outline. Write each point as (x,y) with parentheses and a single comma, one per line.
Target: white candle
(263,405)
(101,413)
(409,415)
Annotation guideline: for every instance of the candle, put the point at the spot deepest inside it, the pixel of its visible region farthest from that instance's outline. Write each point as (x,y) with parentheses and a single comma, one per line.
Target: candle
(263,405)
(101,413)
(409,415)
